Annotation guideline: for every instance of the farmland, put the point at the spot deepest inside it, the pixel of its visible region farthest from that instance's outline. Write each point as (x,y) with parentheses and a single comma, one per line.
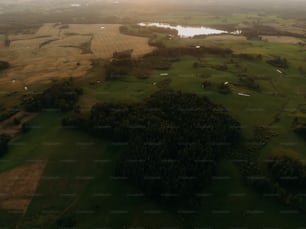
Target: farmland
(62,51)
(61,166)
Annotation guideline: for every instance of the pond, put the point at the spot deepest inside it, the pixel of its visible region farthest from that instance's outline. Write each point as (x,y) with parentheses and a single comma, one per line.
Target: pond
(190,31)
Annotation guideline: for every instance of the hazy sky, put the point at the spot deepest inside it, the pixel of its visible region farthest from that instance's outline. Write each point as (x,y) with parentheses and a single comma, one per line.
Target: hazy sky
(298,4)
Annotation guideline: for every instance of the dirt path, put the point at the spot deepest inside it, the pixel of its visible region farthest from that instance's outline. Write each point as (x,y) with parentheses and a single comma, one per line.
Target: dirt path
(17,186)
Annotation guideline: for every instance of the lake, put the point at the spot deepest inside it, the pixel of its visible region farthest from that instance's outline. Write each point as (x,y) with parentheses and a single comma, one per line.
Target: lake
(190,31)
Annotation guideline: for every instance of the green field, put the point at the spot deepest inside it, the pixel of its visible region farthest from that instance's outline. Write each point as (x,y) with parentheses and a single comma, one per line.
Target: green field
(82,166)
(225,202)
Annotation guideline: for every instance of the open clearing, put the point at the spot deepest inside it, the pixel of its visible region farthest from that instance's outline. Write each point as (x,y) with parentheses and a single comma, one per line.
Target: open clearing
(59,51)
(18,186)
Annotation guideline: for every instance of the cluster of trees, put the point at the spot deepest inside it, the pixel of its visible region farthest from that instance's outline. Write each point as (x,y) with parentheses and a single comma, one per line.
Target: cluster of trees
(146,31)
(63,96)
(286,175)
(279,62)
(257,30)
(123,55)
(276,181)
(155,62)
(4,65)
(281,174)
(287,171)
(4,140)
(248,82)
(156,41)
(220,87)
(247,56)
(301,130)
(142,73)
(120,65)
(155,34)
(174,141)
(300,125)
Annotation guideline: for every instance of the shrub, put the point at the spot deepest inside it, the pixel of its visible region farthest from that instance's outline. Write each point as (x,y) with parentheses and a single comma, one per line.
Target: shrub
(4,140)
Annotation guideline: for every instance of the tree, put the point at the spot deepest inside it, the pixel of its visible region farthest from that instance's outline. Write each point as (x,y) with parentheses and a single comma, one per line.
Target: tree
(286,170)
(4,140)
(4,65)
(62,96)
(174,141)
(279,62)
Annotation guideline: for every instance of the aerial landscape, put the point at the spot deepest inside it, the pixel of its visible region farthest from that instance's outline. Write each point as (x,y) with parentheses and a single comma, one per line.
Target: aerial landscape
(151,114)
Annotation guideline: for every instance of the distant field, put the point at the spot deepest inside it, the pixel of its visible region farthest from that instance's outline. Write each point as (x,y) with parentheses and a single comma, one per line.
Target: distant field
(59,51)
(282,39)
(2,38)
(107,39)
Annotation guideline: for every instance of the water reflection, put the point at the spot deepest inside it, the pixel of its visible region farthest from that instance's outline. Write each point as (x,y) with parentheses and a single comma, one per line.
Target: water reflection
(190,31)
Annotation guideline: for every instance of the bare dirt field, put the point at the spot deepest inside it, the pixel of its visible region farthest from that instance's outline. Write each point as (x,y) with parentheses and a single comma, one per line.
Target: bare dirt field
(18,186)
(59,51)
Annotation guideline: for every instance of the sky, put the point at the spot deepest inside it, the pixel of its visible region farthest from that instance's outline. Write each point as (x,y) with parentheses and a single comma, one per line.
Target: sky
(245,3)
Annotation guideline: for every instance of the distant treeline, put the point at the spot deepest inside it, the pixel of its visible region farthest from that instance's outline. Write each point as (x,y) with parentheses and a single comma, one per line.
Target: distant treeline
(192,51)
(122,64)
(258,30)
(174,141)
(146,31)
(279,62)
